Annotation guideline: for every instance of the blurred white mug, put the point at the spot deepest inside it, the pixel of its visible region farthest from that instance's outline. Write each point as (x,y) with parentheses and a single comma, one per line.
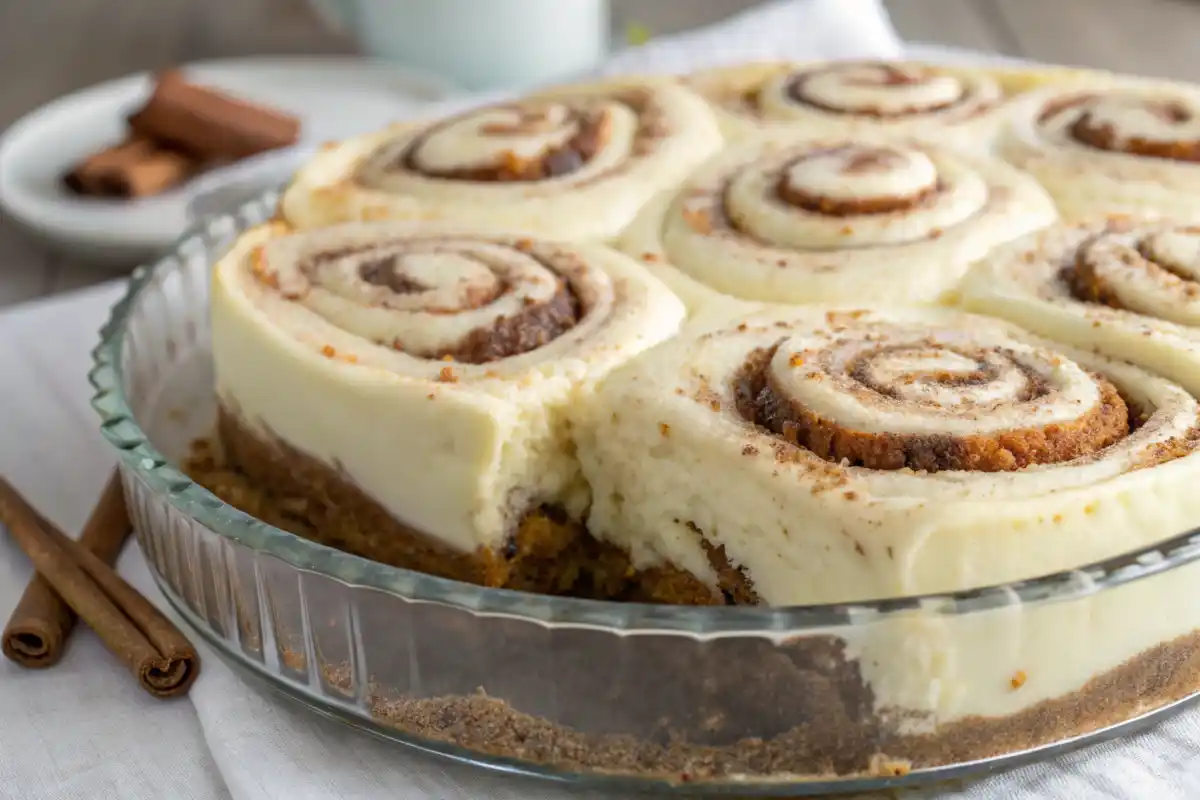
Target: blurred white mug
(478,44)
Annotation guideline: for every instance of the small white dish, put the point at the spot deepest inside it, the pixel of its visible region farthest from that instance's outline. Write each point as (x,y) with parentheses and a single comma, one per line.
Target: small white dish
(335,97)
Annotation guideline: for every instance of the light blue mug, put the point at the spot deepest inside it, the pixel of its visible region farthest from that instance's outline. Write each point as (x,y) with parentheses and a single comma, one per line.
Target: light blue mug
(479,44)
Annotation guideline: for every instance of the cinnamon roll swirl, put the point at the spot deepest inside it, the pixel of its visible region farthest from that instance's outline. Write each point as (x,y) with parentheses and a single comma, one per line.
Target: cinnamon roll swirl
(1111,146)
(576,162)
(848,455)
(1128,288)
(791,220)
(839,97)
(414,380)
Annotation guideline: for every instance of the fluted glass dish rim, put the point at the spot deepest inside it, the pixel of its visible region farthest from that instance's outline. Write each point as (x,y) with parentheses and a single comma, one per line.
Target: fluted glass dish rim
(143,459)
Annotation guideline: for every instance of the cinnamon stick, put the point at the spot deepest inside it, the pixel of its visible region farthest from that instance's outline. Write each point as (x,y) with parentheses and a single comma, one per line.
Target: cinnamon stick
(37,632)
(134,168)
(209,125)
(128,624)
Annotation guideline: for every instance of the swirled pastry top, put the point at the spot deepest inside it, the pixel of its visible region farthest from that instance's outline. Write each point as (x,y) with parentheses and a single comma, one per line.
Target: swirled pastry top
(1110,146)
(575,162)
(433,365)
(839,97)
(781,218)
(1128,288)
(842,456)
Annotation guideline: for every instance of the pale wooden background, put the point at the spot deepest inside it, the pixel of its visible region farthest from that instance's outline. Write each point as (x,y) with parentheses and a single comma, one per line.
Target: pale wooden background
(50,47)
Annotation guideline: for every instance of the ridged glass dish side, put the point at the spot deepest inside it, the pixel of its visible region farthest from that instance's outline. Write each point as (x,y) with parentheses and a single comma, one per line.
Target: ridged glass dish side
(681,699)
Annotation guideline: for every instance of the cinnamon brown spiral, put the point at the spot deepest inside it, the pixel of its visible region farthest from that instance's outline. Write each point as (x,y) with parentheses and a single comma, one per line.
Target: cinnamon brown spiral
(890,395)
(891,406)
(847,96)
(1128,287)
(846,455)
(529,142)
(787,219)
(1154,272)
(468,300)
(575,162)
(1108,147)
(417,298)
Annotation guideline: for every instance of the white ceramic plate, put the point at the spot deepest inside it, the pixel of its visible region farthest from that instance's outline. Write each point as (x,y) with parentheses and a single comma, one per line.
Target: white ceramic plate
(335,97)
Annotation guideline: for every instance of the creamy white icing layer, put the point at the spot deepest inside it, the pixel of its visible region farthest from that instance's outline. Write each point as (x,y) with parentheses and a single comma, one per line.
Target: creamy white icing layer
(1106,145)
(332,341)
(575,162)
(788,219)
(665,448)
(959,106)
(1141,266)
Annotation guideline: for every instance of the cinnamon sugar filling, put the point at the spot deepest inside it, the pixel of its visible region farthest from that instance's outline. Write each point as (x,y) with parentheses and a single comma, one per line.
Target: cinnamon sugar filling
(594,133)
(1083,279)
(892,76)
(1102,136)
(1086,284)
(761,401)
(859,159)
(838,207)
(535,325)
(1105,137)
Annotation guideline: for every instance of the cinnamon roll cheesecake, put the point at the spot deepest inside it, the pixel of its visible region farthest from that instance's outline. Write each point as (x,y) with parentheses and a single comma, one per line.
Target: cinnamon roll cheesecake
(574,162)
(1129,288)
(950,104)
(789,219)
(404,391)
(1110,145)
(482,390)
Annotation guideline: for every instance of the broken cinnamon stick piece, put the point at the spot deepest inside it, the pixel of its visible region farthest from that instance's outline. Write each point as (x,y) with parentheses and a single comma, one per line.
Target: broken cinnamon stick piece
(84,177)
(209,125)
(164,661)
(132,169)
(37,632)
(161,171)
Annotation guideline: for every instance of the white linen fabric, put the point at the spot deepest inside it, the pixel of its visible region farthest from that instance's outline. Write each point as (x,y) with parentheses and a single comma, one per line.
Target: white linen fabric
(84,730)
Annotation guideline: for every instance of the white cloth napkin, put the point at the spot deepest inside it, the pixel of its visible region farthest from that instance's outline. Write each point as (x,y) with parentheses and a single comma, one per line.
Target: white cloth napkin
(83,730)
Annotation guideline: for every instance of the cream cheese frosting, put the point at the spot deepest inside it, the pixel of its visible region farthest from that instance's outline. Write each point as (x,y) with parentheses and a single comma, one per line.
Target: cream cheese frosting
(574,162)
(433,365)
(753,435)
(789,219)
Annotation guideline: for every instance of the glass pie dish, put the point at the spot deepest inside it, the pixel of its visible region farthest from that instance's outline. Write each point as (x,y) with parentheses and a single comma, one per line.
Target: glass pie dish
(780,701)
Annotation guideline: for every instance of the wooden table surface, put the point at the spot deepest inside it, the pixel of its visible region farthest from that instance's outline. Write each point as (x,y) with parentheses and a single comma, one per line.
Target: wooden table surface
(51,47)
